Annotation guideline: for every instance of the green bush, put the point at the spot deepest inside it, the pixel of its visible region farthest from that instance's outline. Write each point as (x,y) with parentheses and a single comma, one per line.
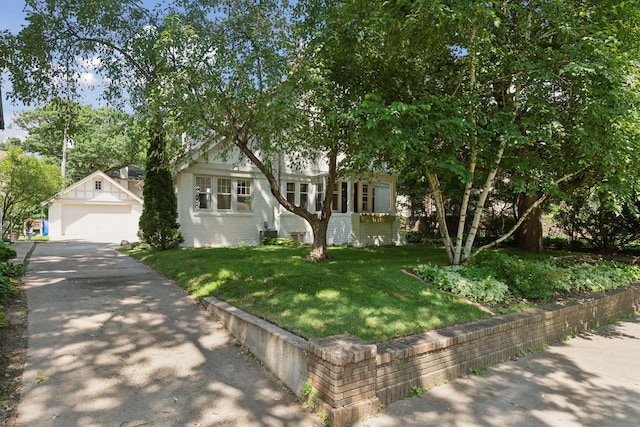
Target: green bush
(10,269)
(416,237)
(595,276)
(279,241)
(605,221)
(7,288)
(539,279)
(491,275)
(162,237)
(525,279)
(6,253)
(466,283)
(420,238)
(8,272)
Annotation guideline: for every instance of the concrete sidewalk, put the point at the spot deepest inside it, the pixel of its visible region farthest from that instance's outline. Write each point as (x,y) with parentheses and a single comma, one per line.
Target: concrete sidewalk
(114,343)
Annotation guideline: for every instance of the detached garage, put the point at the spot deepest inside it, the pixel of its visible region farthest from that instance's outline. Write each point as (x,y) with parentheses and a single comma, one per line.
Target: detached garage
(95,209)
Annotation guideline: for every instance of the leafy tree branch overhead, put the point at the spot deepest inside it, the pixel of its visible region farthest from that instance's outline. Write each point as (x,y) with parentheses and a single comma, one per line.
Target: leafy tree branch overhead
(117,39)
(542,95)
(25,183)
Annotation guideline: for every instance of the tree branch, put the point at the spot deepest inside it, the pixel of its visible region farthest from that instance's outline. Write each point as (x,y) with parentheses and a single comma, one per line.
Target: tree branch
(523,217)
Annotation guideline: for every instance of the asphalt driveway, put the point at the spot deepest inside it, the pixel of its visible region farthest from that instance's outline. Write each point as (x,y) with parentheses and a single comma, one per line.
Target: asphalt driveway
(113,343)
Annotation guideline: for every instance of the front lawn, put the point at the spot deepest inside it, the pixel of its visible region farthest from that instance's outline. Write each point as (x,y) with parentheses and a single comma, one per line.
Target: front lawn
(362,291)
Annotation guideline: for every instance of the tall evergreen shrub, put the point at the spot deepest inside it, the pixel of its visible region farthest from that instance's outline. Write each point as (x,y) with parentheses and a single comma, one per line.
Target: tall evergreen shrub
(158,223)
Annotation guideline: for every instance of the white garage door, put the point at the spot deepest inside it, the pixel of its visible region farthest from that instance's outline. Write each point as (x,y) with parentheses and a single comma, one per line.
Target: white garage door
(99,223)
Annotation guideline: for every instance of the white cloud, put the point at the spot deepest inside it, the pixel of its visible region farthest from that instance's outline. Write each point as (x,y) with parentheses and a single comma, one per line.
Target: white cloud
(88,79)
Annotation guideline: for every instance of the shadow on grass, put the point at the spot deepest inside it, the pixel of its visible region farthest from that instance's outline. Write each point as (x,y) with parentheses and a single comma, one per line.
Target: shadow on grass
(361,291)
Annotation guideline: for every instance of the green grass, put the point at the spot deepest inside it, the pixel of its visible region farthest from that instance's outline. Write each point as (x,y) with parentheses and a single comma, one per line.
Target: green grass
(361,291)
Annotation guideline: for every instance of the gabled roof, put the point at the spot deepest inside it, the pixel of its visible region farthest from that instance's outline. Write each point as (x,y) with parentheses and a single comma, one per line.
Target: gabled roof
(97,174)
(196,151)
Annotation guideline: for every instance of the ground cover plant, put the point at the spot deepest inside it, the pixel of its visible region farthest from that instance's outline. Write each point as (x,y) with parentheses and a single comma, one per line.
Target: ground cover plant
(361,291)
(8,274)
(496,276)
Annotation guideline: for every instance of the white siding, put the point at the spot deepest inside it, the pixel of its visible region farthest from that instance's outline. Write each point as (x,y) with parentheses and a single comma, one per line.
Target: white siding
(99,213)
(202,228)
(385,232)
(290,223)
(340,229)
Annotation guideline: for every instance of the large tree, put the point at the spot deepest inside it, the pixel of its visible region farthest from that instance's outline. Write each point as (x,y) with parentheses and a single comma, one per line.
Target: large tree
(539,94)
(117,40)
(247,76)
(101,139)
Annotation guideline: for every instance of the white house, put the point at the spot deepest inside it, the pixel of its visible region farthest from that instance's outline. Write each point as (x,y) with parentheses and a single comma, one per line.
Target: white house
(229,203)
(95,209)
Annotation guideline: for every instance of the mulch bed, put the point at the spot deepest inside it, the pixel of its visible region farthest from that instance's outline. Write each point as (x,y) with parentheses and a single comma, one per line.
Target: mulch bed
(13,353)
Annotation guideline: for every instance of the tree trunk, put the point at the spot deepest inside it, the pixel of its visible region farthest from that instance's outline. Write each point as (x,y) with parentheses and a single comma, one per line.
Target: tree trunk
(441,214)
(319,247)
(486,189)
(319,223)
(529,234)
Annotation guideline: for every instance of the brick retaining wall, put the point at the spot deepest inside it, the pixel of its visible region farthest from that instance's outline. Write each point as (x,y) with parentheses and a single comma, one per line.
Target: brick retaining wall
(428,359)
(351,377)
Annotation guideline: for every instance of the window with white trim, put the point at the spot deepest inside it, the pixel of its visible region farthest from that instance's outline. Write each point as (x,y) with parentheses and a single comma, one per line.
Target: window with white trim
(381,198)
(244,195)
(97,185)
(365,198)
(203,193)
(291,192)
(222,194)
(304,196)
(319,196)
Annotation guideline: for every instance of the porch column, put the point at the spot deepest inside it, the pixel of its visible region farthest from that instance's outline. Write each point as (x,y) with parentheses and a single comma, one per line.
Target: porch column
(392,197)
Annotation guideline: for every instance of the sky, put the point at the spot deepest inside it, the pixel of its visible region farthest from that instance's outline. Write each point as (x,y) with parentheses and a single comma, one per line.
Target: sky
(12,19)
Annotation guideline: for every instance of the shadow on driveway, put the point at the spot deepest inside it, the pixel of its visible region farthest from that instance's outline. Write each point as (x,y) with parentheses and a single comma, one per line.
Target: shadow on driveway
(114,343)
